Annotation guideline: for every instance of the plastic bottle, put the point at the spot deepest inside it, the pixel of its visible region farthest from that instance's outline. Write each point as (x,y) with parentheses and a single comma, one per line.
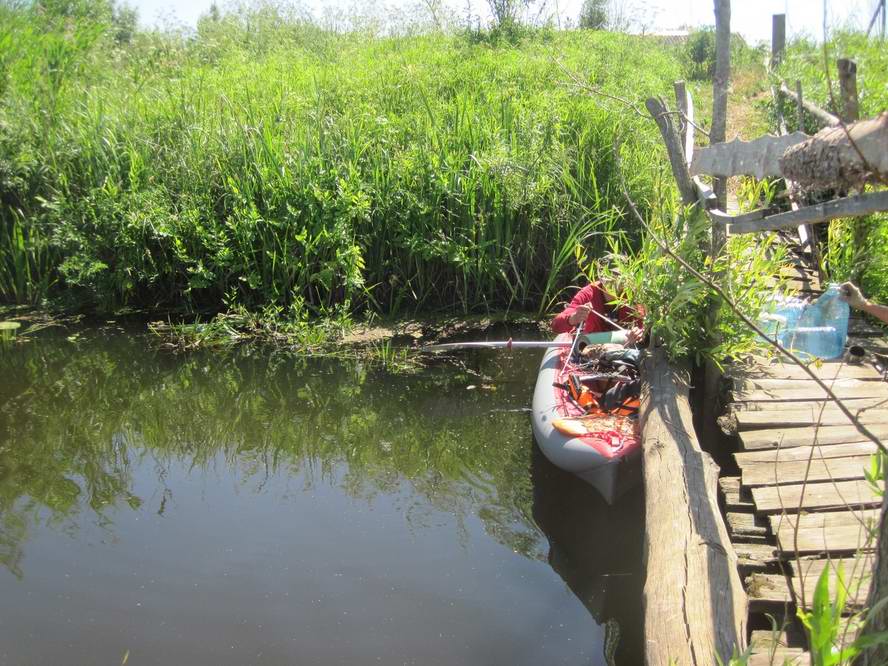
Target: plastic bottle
(822,328)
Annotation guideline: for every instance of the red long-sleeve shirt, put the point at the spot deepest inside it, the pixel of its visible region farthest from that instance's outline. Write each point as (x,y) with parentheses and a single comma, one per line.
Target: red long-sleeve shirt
(594,295)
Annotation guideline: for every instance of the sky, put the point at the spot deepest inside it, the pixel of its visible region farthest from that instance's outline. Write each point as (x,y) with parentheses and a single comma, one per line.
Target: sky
(751,18)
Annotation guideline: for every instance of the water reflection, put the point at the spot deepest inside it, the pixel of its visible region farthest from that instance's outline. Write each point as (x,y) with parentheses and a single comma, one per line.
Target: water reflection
(100,435)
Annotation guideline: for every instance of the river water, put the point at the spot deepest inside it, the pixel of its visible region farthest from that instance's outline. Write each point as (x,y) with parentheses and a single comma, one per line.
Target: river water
(258,507)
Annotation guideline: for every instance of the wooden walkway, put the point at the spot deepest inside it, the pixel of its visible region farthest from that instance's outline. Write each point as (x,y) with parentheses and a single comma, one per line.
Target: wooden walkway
(801,502)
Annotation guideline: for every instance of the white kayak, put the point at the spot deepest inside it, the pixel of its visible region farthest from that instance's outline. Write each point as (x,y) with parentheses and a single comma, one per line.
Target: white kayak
(600,448)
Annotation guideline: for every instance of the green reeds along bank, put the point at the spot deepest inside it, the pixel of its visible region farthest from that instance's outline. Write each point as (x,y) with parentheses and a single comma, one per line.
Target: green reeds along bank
(265,161)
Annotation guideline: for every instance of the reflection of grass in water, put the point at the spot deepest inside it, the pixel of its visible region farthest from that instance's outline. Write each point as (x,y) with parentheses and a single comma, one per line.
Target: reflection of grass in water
(83,421)
(8,330)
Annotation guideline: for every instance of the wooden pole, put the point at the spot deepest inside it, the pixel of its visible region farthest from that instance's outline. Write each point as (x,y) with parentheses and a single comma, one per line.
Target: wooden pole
(800,106)
(694,602)
(778,39)
(673,149)
(720,93)
(848,88)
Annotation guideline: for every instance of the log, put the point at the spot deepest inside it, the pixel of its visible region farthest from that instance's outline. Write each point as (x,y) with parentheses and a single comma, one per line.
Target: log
(674,149)
(694,602)
(825,117)
(831,159)
(759,158)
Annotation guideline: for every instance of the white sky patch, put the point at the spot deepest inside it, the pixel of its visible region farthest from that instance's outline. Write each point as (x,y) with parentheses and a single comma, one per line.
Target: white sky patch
(751,18)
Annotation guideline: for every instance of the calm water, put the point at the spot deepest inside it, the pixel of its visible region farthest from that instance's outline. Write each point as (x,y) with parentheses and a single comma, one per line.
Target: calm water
(255,507)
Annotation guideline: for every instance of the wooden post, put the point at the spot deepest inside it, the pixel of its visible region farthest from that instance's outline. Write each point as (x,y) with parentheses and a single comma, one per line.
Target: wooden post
(673,148)
(778,39)
(720,82)
(694,602)
(848,88)
(684,130)
(800,106)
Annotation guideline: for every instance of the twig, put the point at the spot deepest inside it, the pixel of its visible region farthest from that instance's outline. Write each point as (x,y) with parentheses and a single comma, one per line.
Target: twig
(862,429)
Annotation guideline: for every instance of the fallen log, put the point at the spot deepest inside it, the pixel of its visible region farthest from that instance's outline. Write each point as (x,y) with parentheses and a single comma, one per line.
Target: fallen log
(831,159)
(694,602)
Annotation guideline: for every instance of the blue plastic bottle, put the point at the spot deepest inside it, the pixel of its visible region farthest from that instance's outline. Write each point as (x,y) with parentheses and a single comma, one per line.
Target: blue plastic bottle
(822,328)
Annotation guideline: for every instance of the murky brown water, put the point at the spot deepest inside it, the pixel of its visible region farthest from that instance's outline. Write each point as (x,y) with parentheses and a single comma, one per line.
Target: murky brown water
(254,507)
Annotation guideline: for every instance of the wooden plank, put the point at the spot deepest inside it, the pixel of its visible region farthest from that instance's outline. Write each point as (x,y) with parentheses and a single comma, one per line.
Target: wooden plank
(852,206)
(785,473)
(766,591)
(832,531)
(730,489)
(799,453)
(814,496)
(794,418)
(828,370)
(856,576)
(746,525)
(780,657)
(807,436)
(685,536)
(759,157)
(755,556)
(842,388)
(854,404)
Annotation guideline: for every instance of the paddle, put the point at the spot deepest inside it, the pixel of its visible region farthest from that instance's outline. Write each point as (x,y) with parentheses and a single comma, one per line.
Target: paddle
(589,338)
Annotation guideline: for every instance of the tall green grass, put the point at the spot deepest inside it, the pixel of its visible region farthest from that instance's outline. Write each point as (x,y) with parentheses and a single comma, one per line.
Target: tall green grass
(265,161)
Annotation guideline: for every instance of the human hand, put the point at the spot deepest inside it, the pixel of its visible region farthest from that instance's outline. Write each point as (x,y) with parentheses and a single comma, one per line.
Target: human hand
(579,315)
(852,295)
(633,336)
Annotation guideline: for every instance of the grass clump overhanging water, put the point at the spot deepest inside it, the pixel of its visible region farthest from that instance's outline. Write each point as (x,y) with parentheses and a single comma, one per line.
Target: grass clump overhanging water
(264,161)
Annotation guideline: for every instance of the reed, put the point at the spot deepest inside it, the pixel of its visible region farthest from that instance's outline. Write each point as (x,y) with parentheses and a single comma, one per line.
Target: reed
(269,162)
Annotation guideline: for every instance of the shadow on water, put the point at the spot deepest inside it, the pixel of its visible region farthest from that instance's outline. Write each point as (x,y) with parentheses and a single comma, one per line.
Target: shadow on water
(101,435)
(596,549)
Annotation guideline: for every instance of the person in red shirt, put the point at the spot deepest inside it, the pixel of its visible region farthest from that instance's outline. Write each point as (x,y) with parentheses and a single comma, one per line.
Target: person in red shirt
(593,299)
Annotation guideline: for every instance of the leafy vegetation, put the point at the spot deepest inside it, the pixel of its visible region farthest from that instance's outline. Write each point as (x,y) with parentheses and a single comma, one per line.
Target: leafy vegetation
(267,162)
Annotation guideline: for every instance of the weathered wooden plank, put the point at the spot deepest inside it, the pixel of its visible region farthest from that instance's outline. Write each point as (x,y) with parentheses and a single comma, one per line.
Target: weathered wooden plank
(780,657)
(746,390)
(853,206)
(827,370)
(793,418)
(856,576)
(730,489)
(800,453)
(674,149)
(746,525)
(814,496)
(861,327)
(854,404)
(755,556)
(830,531)
(785,473)
(766,591)
(807,436)
(759,157)
(685,537)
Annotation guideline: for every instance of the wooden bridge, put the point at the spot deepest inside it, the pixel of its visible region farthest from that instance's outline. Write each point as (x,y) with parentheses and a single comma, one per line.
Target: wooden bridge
(801,502)
(728,550)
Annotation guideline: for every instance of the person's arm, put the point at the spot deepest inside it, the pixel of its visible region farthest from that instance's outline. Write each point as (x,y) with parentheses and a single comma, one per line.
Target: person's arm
(575,312)
(856,300)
